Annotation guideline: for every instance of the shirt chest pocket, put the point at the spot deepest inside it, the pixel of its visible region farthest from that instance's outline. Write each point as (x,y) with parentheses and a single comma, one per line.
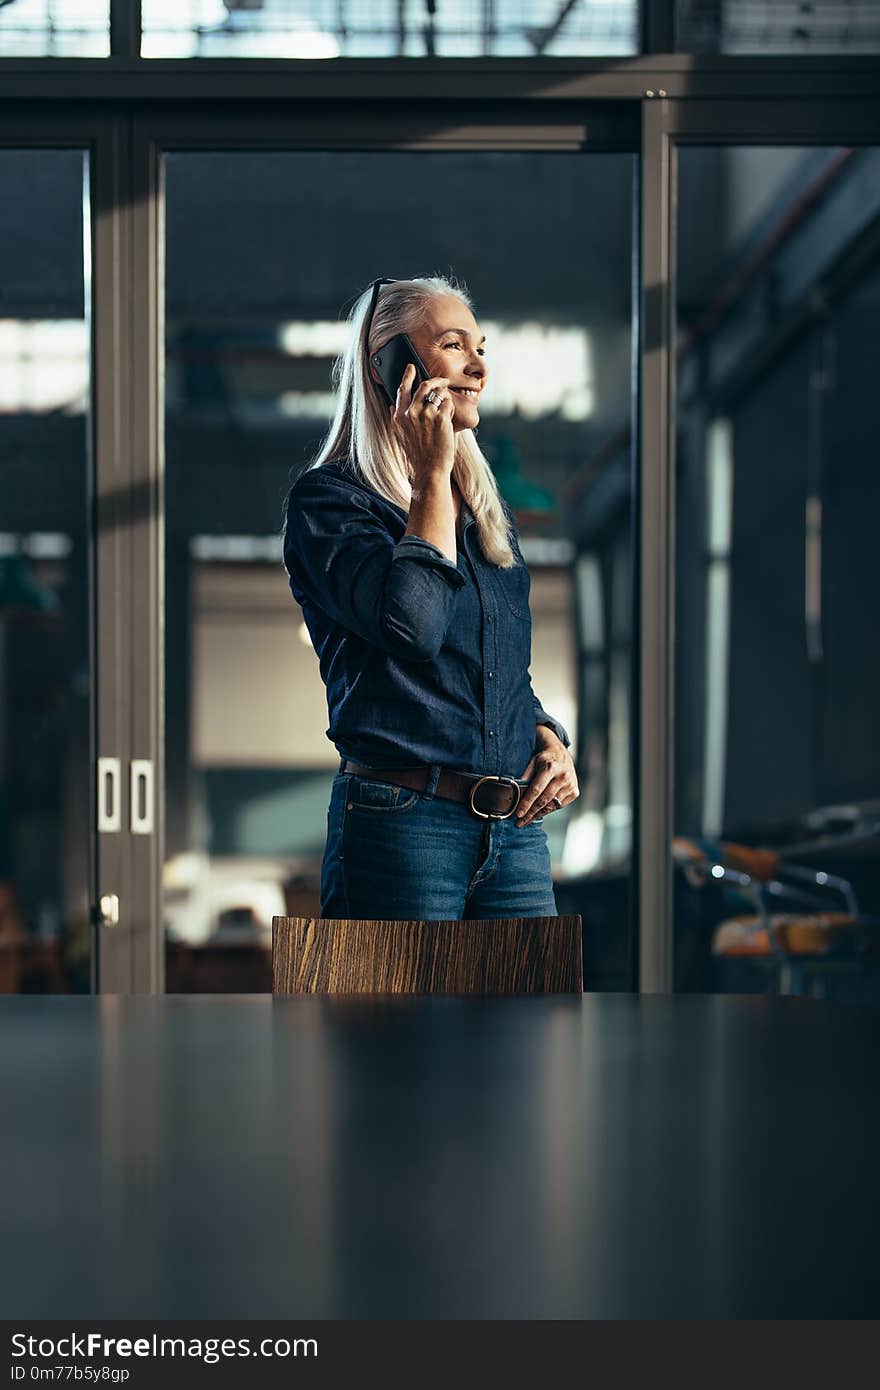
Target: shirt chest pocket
(514,585)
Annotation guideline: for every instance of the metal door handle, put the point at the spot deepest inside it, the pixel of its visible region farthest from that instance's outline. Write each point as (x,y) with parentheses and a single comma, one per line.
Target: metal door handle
(109,800)
(108,910)
(141,796)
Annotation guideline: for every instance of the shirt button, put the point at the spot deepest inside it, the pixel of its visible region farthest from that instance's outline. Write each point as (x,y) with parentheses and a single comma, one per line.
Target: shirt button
(490,618)
(491,733)
(491,674)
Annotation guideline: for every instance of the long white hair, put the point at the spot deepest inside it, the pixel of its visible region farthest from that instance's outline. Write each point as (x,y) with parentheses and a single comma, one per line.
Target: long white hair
(362,435)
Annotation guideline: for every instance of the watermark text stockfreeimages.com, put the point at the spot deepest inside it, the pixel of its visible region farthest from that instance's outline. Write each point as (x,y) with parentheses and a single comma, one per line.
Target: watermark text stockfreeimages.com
(95,1346)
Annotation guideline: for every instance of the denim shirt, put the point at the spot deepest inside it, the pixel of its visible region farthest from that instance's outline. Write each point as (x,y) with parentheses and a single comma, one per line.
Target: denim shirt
(425,660)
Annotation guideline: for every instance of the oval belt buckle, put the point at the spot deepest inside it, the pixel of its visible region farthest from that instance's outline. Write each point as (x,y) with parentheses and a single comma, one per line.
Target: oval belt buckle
(495,815)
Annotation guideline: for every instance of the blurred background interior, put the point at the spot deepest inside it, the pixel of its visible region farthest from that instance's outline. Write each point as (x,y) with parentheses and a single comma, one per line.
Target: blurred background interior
(777,251)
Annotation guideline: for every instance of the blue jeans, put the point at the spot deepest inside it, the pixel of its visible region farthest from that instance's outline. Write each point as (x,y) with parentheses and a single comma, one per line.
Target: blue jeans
(394,854)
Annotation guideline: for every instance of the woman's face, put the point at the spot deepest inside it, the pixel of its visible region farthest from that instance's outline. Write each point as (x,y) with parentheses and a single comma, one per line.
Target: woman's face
(451,343)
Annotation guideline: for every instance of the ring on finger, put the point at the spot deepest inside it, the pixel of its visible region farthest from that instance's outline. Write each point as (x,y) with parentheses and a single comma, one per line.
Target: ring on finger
(554,804)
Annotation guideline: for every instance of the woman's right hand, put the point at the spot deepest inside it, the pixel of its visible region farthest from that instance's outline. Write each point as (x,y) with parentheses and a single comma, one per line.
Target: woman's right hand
(424,427)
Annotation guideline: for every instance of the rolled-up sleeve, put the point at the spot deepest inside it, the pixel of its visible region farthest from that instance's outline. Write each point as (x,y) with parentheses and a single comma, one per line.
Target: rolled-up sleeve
(338,551)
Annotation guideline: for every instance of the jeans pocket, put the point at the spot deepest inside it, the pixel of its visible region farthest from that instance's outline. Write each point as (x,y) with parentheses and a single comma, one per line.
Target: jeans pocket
(382,798)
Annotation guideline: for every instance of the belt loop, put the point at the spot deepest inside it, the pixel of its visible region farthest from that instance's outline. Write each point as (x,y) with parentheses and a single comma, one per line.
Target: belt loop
(434,771)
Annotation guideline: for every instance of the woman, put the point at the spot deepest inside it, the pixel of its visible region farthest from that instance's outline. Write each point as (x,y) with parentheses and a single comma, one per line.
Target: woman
(405,561)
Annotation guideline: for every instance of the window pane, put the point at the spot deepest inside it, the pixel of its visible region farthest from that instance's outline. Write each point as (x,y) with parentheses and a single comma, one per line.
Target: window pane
(387,28)
(777,26)
(55,29)
(777,774)
(45,673)
(265,255)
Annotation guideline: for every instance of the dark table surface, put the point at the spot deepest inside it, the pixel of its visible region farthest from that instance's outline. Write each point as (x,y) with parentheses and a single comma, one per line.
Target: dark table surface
(611,1156)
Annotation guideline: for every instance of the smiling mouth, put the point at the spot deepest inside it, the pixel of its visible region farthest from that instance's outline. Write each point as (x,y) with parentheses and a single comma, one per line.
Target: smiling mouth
(465,391)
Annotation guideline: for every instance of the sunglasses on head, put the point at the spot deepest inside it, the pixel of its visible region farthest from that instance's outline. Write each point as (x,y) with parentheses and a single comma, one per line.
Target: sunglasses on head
(377,285)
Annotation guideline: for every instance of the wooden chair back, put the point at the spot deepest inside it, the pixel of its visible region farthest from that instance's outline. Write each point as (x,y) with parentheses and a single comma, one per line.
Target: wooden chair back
(503,955)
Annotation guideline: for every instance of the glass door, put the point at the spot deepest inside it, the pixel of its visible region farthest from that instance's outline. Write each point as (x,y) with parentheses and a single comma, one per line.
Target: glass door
(264,252)
(46,655)
(75,751)
(776,867)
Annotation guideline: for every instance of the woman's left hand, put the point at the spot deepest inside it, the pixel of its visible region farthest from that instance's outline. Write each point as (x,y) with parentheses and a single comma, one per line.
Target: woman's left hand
(550,773)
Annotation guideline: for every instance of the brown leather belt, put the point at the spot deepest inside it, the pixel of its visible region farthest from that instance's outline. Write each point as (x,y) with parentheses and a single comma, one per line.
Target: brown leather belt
(497,797)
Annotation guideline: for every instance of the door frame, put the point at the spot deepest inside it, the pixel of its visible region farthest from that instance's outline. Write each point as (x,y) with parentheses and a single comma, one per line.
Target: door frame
(669,126)
(112,556)
(572,128)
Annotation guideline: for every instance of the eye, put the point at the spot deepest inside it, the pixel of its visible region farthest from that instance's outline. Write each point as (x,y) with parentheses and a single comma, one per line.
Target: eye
(452,343)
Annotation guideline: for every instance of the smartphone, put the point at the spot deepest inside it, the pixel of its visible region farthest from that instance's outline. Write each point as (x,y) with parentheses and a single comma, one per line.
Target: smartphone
(391,362)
